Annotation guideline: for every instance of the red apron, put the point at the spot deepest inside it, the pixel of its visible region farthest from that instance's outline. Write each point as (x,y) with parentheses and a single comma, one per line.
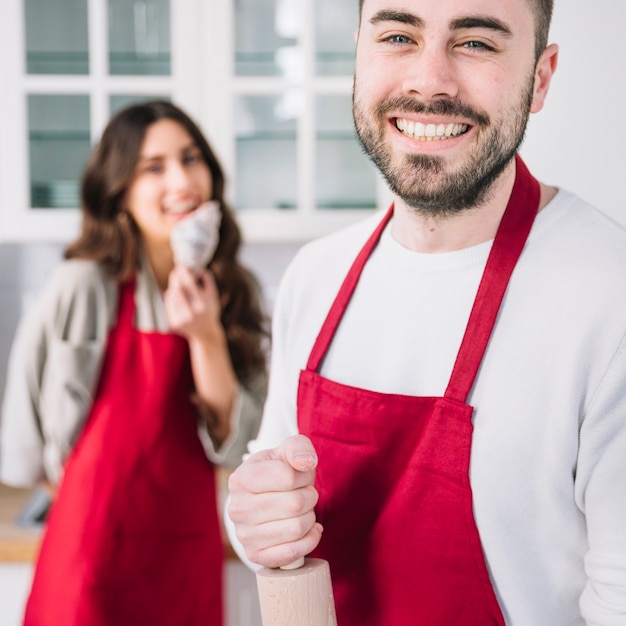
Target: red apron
(393,475)
(133,537)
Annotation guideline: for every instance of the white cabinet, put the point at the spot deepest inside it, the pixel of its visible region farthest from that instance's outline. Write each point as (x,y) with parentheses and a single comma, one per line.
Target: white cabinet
(270,82)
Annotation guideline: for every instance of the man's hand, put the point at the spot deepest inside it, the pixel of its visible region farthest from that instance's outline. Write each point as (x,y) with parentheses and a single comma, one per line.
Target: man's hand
(272,498)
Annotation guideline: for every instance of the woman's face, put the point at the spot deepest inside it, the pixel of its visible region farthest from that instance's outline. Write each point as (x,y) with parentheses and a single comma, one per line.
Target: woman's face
(171,180)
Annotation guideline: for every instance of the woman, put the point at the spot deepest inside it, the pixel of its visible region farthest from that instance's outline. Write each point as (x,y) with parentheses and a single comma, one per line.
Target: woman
(129,381)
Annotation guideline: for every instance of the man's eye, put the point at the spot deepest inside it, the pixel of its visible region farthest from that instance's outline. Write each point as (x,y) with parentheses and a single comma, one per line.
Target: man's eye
(477,45)
(398,39)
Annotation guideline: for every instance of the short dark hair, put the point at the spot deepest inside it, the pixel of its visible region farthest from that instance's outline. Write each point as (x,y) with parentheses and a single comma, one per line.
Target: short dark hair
(543,13)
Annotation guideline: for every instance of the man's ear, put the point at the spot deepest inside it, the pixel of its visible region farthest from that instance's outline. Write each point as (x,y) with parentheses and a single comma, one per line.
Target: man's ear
(546,66)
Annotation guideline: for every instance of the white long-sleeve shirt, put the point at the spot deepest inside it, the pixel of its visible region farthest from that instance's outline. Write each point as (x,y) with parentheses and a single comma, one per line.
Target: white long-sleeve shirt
(548,461)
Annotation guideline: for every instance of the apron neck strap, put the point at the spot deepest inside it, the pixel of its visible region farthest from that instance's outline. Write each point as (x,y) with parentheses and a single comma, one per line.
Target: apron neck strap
(507,247)
(331,323)
(126,306)
(510,239)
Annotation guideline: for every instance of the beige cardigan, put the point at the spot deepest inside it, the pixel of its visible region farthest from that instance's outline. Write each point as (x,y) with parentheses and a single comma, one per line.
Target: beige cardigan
(54,367)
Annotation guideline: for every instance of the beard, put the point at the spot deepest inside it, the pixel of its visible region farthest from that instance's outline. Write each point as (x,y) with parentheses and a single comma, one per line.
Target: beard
(424,182)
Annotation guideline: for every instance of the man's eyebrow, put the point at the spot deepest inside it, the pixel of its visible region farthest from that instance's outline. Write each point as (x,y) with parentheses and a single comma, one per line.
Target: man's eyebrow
(469,22)
(480,21)
(397,16)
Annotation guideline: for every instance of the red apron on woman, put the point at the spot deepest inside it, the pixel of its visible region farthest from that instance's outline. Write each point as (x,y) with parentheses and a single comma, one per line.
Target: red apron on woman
(133,537)
(393,474)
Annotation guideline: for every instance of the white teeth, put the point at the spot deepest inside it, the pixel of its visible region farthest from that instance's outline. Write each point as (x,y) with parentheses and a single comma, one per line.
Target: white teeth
(430,132)
(182,207)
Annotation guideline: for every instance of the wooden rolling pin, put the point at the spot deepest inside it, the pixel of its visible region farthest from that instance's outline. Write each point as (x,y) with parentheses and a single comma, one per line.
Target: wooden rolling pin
(299,594)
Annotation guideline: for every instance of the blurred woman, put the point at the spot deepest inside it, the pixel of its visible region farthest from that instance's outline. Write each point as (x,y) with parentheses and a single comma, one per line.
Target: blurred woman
(132,377)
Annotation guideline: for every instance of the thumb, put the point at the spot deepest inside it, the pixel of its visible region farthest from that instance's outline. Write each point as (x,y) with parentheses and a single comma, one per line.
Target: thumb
(297,451)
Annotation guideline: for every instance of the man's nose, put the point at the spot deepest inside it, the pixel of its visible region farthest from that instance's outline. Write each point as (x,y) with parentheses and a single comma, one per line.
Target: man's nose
(430,74)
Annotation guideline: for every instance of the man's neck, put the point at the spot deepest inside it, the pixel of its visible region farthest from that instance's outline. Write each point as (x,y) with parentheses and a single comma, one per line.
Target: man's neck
(423,233)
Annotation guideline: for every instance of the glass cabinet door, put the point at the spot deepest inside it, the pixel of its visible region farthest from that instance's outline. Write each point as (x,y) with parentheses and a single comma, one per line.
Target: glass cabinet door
(59,126)
(267,151)
(345,178)
(335,26)
(57,39)
(59,146)
(71,64)
(266,36)
(295,144)
(269,81)
(59,129)
(139,37)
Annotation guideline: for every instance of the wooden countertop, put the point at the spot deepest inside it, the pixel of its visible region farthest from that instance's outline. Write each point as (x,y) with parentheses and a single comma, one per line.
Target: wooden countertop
(17,544)
(20,545)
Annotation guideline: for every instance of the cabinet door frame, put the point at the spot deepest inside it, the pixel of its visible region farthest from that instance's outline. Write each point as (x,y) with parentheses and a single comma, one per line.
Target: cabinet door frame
(20,222)
(305,221)
(202,81)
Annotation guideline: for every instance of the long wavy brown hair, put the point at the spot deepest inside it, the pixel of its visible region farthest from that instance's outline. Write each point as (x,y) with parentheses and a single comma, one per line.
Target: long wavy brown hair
(110,237)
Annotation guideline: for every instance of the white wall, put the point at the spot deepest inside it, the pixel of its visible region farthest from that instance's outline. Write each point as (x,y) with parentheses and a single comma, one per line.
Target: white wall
(579,140)
(14,585)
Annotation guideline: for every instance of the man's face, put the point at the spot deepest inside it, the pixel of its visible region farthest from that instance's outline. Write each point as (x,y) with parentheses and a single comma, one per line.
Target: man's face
(442,94)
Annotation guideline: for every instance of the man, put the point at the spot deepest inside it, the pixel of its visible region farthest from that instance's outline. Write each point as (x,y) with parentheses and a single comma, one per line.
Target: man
(463,391)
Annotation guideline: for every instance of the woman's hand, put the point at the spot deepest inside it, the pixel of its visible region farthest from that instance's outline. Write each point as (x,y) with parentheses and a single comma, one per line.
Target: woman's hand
(193,308)
(192,304)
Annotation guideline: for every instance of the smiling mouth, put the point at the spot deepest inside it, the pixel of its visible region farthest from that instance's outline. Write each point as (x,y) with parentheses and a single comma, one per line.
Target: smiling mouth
(430,132)
(180,208)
